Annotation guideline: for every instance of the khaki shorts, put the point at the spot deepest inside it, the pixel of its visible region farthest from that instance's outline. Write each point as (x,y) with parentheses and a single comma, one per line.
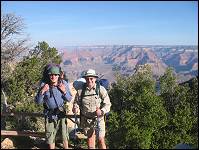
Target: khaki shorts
(54,127)
(89,125)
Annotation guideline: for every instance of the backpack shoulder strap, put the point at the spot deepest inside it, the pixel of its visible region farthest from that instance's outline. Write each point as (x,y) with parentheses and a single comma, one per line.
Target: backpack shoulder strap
(97,90)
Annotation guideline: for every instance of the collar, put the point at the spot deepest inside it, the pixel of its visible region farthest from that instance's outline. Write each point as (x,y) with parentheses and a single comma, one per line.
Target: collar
(94,87)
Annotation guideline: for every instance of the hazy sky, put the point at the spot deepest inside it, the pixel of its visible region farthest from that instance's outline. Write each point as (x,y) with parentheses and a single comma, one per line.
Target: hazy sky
(66,23)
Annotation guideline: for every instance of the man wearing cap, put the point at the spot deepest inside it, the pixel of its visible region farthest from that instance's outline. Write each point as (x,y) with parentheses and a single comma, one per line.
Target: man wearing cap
(92,108)
(53,94)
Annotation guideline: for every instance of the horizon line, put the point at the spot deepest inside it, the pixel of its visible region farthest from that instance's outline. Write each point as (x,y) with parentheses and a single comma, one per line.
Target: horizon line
(133,45)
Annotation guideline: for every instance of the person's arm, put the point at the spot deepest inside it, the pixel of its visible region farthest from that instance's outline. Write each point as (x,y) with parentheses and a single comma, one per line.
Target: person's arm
(75,104)
(66,92)
(40,94)
(106,101)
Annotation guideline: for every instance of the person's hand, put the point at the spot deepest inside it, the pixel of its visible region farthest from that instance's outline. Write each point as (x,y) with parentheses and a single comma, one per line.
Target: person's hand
(99,112)
(44,89)
(75,108)
(62,87)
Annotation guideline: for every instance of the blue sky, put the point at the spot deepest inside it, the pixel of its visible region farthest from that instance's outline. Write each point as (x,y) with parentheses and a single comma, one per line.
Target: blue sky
(67,23)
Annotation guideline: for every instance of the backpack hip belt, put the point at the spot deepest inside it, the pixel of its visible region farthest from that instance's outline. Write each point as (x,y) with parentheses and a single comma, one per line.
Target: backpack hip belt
(56,111)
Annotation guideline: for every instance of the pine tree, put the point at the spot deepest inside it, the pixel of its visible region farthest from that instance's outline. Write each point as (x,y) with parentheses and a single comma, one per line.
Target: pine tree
(141,112)
(22,86)
(176,100)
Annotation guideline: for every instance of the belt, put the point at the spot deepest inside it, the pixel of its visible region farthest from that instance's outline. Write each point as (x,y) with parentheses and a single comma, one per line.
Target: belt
(93,118)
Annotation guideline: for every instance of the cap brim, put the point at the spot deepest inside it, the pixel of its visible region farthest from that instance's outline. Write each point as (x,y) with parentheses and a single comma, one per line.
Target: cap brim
(54,73)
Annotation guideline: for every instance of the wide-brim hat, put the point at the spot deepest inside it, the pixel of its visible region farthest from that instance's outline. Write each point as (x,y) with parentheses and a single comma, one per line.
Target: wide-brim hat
(54,70)
(90,73)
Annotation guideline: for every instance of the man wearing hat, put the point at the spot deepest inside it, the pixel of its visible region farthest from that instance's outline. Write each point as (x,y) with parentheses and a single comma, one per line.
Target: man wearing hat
(53,94)
(92,108)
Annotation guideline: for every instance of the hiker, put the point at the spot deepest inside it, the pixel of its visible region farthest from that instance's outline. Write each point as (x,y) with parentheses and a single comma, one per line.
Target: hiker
(53,94)
(92,108)
(63,75)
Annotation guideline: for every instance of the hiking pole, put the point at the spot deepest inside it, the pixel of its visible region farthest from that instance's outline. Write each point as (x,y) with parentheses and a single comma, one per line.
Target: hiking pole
(98,121)
(75,138)
(75,122)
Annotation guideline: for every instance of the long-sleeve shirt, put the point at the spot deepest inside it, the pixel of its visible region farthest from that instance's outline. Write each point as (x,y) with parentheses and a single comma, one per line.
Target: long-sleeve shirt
(53,96)
(91,101)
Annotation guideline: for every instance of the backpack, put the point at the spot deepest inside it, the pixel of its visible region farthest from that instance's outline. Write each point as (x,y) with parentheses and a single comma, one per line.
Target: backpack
(105,83)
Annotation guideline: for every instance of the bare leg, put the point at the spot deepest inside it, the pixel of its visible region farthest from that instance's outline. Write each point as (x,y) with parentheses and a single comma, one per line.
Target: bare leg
(102,144)
(65,143)
(91,141)
(52,146)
